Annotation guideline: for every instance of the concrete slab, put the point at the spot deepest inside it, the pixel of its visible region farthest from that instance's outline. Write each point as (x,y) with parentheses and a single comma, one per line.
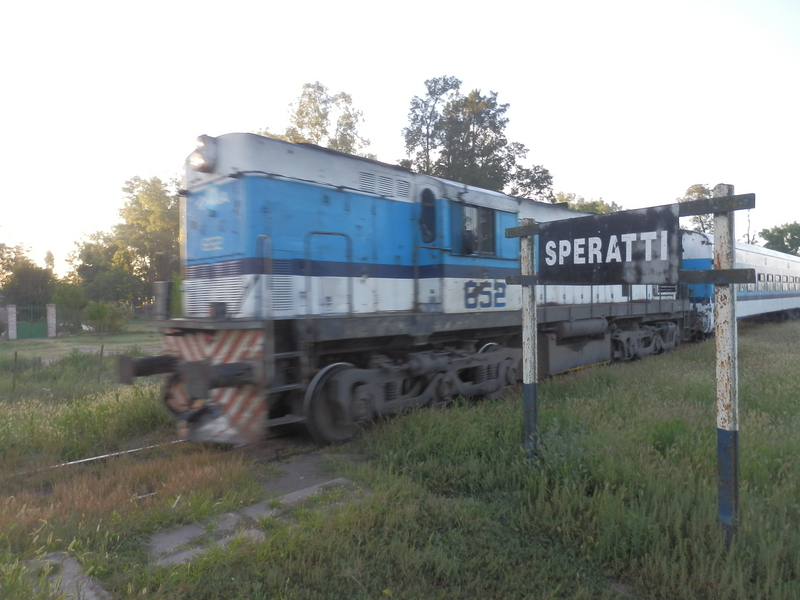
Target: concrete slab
(254,534)
(300,495)
(180,557)
(227,522)
(168,541)
(301,472)
(261,510)
(72,581)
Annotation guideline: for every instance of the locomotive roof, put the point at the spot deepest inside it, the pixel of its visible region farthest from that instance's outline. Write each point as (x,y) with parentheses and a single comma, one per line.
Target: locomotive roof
(247,153)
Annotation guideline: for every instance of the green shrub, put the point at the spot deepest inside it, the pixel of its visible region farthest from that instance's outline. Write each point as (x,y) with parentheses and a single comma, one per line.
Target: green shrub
(105,317)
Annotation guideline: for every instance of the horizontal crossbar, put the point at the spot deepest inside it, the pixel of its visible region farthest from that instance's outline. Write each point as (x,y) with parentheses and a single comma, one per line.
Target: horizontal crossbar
(716,205)
(522,279)
(522,231)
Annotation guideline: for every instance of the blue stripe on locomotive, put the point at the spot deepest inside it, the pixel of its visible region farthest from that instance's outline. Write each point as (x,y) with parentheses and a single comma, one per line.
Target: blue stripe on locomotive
(225,222)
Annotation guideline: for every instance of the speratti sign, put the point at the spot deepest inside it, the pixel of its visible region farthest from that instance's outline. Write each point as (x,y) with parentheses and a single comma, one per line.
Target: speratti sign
(581,251)
(634,247)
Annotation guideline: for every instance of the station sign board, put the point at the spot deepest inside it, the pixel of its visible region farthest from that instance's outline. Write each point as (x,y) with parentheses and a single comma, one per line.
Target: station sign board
(631,247)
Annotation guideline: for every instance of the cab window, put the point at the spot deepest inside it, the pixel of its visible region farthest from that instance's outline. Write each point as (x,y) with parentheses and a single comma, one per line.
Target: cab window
(427,216)
(474,230)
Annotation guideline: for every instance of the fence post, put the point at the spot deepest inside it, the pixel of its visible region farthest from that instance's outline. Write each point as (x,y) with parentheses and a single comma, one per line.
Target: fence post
(12,321)
(727,371)
(51,321)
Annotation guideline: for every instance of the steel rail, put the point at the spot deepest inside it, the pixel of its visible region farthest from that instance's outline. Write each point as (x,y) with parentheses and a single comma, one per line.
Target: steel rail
(94,458)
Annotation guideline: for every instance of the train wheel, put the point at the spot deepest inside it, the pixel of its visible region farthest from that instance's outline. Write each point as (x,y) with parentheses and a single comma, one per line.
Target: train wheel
(325,419)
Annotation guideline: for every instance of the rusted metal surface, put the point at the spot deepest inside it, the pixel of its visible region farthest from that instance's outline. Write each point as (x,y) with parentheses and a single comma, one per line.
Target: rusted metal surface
(726,370)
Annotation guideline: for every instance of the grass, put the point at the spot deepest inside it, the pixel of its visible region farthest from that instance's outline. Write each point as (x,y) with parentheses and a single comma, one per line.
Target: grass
(137,333)
(620,504)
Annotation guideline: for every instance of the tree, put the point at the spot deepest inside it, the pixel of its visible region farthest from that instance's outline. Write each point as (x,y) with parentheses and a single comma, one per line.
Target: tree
(147,239)
(118,266)
(100,268)
(783,238)
(70,301)
(424,121)
(105,317)
(701,223)
(28,285)
(9,256)
(462,138)
(315,113)
(68,295)
(575,202)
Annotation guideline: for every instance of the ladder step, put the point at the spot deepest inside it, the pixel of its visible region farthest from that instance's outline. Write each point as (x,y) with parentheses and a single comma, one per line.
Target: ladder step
(293,354)
(285,388)
(284,420)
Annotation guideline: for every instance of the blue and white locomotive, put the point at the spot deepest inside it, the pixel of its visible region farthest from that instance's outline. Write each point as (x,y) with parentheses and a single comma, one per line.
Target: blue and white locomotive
(328,289)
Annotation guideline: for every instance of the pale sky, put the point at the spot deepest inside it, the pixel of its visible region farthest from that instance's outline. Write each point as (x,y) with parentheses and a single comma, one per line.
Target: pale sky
(629,100)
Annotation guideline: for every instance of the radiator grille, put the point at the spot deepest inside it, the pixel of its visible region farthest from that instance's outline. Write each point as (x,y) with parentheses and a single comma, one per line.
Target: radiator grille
(385,186)
(366,181)
(220,282)
(665,290)
(281,286)
(403,189)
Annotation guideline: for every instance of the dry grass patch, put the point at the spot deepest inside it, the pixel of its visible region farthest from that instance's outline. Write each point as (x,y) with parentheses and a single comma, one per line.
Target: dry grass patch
(137,494)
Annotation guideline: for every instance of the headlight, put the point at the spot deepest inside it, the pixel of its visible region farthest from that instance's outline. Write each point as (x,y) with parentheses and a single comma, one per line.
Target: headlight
(204,159)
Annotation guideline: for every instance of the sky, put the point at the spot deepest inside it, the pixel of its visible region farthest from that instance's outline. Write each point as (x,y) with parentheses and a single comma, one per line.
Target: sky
(631,101)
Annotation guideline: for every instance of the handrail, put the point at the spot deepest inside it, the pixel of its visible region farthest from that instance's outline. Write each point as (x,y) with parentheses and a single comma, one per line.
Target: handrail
(266,269)
(308,261)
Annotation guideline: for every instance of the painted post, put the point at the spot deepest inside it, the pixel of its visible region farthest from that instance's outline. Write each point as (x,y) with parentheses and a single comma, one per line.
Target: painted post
(52,329)
(727,371)
(530,375)
(12,321)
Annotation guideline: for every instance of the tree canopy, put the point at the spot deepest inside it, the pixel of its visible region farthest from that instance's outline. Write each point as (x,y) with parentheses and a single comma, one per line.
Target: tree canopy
(10,256)
(147,238)
(576,202)
(144,247)
(783,238)
(701,223)
(462,137)
(325,119)
(28,285)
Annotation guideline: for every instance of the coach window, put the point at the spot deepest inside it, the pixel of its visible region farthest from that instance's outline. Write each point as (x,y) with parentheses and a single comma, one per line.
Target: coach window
(427,216)
(478,230)
(760,282)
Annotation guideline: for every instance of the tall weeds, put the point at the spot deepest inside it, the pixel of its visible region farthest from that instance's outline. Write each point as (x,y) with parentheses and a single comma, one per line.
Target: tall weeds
(626,475)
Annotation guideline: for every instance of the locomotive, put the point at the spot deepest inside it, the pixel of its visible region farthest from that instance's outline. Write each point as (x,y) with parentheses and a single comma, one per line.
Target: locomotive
(328,289)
